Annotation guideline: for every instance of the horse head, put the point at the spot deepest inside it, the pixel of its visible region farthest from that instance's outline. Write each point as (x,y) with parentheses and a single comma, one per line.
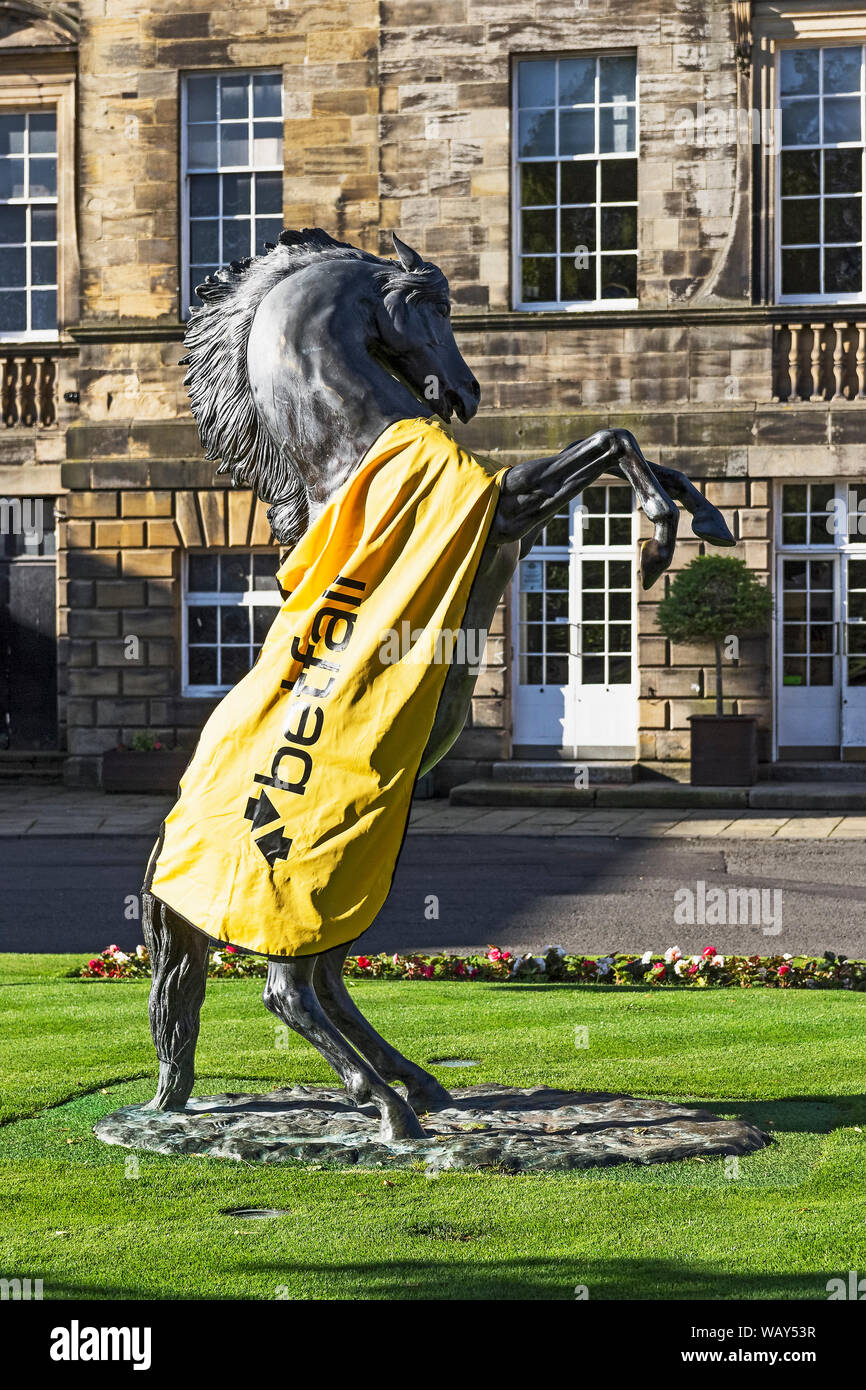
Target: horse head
(300,358)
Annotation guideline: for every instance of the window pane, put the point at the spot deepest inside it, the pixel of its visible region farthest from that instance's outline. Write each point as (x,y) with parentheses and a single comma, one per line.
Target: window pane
(801,220)
(11,178)
(43,265)
(536,84)
(843,219)
(236,240)
(577,228)
(269,193)
(234,143)
(539,278)
(236,194)
(843,270)
(234,97)
(616,79)
(267,229)
(13,221)
(619,180)
(619,277)
(616,126)
(537,184)
(43,310)
(202,574)
(43,178)
(842,69)
(202,623)
(201,98)
(579,279)
(202,666)
(539,230)
(578,181)
(843,171)
(537,134)
(13,267)
(12,134)
(841,120)
(204,195)
(263,616)
(204,242)
(267,94)
(43,132)
(801,272)
(799,71)
(235,572)
(267,142)
(800,123)
(13,311)
(576,132)
(618,229)
(235,624)
(43,224)
(202,146)
(801,172)
(576,81)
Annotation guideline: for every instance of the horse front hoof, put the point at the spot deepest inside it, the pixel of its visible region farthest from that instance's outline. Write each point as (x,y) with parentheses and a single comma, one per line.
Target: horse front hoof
(428,1096)
(653,563)
(400,1125)
(708,524)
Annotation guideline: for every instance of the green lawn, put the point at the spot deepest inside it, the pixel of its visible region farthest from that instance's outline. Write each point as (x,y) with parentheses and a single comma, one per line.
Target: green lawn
(76,1214)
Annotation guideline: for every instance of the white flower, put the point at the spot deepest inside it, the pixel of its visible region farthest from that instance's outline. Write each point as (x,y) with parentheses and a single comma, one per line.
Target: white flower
(140,952)
(217,957)
(646,958)
(671,954)
(787,956)
(697,960)
(121,956)
(679,967)
(718,960)
(603,965)
(560,950)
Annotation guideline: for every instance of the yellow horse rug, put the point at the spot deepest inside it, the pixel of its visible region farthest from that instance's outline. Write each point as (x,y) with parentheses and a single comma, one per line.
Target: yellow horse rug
(293,810)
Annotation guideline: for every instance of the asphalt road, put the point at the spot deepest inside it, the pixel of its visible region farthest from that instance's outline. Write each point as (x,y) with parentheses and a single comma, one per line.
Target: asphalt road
(458,892)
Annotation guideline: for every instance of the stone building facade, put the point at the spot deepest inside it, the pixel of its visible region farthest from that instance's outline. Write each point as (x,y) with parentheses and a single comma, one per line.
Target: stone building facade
(650,214)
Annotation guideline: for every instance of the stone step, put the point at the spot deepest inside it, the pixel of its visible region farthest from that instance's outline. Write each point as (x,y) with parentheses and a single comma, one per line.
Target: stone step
(783,798)
(561,773)
(813,772)
(31,765)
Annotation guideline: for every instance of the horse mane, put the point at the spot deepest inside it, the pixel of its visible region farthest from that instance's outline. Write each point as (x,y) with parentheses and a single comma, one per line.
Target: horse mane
(216,340)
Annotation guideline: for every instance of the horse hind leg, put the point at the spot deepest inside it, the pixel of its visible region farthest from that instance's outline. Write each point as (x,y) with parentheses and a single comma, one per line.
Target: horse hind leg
(289,994)
(424,1092)
(178,955)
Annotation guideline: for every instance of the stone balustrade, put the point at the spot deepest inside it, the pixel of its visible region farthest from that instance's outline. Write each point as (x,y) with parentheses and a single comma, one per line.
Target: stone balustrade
(820,360)
(28,388)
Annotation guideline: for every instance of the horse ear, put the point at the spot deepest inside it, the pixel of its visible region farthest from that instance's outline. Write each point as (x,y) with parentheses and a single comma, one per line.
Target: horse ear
(409,259)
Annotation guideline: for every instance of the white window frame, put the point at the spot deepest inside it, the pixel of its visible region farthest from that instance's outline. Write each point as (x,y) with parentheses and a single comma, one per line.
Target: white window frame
(249,168)
(29,334)
(838,540)
(570,306)
(264,598)
(847,297)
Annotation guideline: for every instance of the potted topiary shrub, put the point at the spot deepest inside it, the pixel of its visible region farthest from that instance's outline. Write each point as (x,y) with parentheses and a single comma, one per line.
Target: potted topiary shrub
(713,599)
(145,766)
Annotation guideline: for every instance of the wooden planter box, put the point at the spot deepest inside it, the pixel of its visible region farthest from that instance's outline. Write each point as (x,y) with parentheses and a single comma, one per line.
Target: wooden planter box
(724,750)
(158,771)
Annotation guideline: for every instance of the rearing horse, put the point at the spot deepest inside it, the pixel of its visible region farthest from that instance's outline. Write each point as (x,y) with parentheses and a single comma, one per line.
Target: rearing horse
(298,362)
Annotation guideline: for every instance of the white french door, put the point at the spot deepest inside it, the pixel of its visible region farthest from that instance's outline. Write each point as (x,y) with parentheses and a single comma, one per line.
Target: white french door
(821,622)
(574,687)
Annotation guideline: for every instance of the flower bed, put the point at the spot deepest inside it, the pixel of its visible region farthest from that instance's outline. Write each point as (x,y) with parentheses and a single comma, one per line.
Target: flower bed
(708,970)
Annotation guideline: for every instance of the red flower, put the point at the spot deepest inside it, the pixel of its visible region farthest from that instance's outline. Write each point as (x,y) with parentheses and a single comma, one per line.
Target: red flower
(784,969)
(710,951)
(364,962)
(429,972)
(232,950)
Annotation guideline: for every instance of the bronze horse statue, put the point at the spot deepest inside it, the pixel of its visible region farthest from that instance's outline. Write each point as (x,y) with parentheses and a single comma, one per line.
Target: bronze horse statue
(298,361)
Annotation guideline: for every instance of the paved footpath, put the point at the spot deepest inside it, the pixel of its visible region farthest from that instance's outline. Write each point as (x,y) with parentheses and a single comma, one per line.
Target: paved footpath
(57,811)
